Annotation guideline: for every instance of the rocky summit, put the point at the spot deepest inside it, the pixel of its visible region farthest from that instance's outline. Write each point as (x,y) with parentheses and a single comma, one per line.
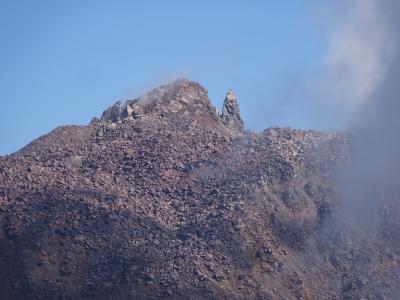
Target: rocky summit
(163,198)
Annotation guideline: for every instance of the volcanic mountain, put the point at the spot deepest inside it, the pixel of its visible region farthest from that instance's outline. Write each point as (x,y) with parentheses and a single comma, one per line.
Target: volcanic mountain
(163,198)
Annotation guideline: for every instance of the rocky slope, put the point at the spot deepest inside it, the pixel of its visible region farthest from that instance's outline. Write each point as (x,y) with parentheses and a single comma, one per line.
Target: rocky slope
(162,198)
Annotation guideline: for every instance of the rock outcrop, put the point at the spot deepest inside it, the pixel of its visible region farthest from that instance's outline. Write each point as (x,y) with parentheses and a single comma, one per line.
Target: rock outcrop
(163,199)
(182,97)
(113,113)
(231,113)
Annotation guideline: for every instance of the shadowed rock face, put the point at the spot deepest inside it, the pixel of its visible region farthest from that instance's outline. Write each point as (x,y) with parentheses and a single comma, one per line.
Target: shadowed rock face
(164,199)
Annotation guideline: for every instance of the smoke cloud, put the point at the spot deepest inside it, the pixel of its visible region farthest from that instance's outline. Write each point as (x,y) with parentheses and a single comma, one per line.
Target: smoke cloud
(361,46)
(365,71)
(361,82)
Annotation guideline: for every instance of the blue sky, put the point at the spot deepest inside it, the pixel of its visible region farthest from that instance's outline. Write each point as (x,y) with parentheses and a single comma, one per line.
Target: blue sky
(63,62)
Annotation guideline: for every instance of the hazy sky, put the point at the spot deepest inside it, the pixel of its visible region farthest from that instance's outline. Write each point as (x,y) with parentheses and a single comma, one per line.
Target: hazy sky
(63,62)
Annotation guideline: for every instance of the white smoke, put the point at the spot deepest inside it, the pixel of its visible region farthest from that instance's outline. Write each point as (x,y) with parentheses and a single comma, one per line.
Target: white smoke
(361,46)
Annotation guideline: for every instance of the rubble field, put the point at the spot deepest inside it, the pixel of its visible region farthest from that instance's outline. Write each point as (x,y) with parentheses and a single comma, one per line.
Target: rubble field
(164,198)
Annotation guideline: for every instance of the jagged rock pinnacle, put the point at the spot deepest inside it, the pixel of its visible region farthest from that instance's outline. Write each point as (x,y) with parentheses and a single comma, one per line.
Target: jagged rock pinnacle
(231,113)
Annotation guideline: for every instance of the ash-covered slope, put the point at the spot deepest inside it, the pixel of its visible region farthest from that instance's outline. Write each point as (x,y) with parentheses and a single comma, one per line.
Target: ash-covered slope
(162,198)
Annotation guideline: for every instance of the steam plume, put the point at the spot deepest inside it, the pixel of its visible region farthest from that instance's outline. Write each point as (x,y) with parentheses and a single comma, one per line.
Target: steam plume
(361,46)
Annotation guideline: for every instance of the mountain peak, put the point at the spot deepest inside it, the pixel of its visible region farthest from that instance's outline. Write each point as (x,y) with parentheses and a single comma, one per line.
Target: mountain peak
(178,202)
(178,96)
(183,97)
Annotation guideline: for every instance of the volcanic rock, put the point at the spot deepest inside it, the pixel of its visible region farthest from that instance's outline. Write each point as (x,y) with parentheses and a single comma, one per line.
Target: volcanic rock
(230,112)
(162,198)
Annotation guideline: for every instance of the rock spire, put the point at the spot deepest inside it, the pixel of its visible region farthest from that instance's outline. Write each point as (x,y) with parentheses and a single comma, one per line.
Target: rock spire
(231,113)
